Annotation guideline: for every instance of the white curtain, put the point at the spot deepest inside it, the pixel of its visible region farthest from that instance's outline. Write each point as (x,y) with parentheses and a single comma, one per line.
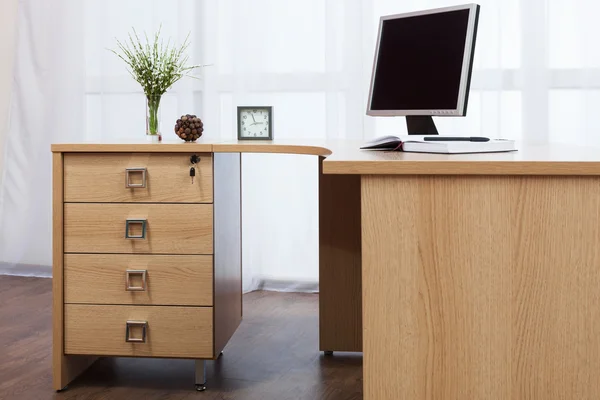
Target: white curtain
(45,107)
(536,78)
(8,25)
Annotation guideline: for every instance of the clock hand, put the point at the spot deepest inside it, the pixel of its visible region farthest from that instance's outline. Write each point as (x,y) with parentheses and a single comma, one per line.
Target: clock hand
(252,115)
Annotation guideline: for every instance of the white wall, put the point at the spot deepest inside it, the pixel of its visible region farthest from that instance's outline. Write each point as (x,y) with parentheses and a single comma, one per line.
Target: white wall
(8,17)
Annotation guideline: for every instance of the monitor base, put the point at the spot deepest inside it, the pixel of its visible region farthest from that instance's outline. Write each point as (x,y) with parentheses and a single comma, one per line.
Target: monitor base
(420,125)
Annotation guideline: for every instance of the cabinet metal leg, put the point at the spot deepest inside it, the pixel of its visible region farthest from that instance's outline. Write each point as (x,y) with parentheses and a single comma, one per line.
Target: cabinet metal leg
(328,353)
(200,375)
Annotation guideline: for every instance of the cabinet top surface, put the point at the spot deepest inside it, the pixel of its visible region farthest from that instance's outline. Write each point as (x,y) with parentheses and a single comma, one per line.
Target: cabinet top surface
(345,157)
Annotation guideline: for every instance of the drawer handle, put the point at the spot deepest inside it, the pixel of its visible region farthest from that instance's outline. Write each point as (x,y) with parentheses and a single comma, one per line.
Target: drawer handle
(135,331)
(132,171)
(135,272)
(130,223)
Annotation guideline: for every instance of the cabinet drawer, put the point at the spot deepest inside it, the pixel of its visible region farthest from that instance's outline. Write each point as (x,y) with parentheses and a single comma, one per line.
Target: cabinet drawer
(174,332)
(137,177)
(152,228)
(138,279)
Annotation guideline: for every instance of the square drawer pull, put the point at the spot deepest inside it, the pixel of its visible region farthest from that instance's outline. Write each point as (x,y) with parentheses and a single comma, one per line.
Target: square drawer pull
(135,331)
(132,172)
(132,223)
(132,273)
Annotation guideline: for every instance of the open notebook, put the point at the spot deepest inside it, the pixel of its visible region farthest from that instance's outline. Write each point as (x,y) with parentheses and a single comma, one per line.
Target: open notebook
(418,144)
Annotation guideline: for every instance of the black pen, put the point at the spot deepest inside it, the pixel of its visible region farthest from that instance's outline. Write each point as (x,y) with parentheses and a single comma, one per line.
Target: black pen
(456,139)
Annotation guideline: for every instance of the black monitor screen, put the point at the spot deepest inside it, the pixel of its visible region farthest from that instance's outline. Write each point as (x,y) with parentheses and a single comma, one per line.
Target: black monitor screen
(420,61)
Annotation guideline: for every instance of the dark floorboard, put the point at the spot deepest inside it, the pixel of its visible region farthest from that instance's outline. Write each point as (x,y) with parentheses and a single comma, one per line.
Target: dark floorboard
(273,355)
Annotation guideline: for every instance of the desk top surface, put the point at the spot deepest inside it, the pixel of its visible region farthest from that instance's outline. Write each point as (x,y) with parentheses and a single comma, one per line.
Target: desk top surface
(345,157)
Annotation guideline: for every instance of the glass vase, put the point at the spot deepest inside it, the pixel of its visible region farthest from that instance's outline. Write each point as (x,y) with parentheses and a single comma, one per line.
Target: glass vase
(153,132)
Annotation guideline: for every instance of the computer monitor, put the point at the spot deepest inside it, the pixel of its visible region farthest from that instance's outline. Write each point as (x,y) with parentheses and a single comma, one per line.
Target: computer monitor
(422,65)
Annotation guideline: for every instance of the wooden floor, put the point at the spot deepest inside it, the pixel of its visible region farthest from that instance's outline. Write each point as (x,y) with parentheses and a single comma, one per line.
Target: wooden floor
(273,355)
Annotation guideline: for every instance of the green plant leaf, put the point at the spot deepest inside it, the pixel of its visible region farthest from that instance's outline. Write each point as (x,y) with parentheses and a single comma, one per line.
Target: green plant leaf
(154,65)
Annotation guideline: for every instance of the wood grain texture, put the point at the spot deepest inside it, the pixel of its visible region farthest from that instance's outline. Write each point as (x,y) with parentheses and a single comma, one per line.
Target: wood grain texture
(133,146)
(345,157)
(228,248)
(555,159)
(64,368)
(171,228)
(481,288)
(340,309)
(173,332)
(170,279)
(100,177)
(304,147)
(311,147)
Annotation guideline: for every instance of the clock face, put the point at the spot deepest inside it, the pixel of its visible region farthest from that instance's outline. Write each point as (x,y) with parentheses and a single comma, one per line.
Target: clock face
(254,123)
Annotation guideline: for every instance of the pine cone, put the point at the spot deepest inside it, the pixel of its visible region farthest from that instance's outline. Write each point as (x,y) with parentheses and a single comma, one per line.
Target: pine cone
(189,127)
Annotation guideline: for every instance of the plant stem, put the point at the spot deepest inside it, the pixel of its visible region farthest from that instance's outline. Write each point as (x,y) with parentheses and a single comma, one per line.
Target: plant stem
(153,106)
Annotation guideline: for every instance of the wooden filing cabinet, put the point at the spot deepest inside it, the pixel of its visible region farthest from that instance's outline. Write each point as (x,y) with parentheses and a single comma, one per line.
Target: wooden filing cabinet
(146,263)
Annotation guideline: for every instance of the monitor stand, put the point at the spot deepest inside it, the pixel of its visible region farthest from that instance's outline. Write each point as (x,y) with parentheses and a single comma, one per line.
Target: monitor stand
(420,125)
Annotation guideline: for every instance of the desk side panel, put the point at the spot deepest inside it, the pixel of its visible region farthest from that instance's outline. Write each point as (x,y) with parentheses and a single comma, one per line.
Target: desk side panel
(228,248)
(481,288)
(64,368)
(340,311)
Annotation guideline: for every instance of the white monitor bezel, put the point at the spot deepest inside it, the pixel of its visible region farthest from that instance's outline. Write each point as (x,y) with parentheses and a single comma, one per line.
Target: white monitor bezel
(462,92)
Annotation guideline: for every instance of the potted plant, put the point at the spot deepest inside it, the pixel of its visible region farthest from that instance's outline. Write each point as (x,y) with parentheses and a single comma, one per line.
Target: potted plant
(156,68)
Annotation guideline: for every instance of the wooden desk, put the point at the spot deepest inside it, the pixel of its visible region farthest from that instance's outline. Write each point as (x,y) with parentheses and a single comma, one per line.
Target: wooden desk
(480,273)
(459,277)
